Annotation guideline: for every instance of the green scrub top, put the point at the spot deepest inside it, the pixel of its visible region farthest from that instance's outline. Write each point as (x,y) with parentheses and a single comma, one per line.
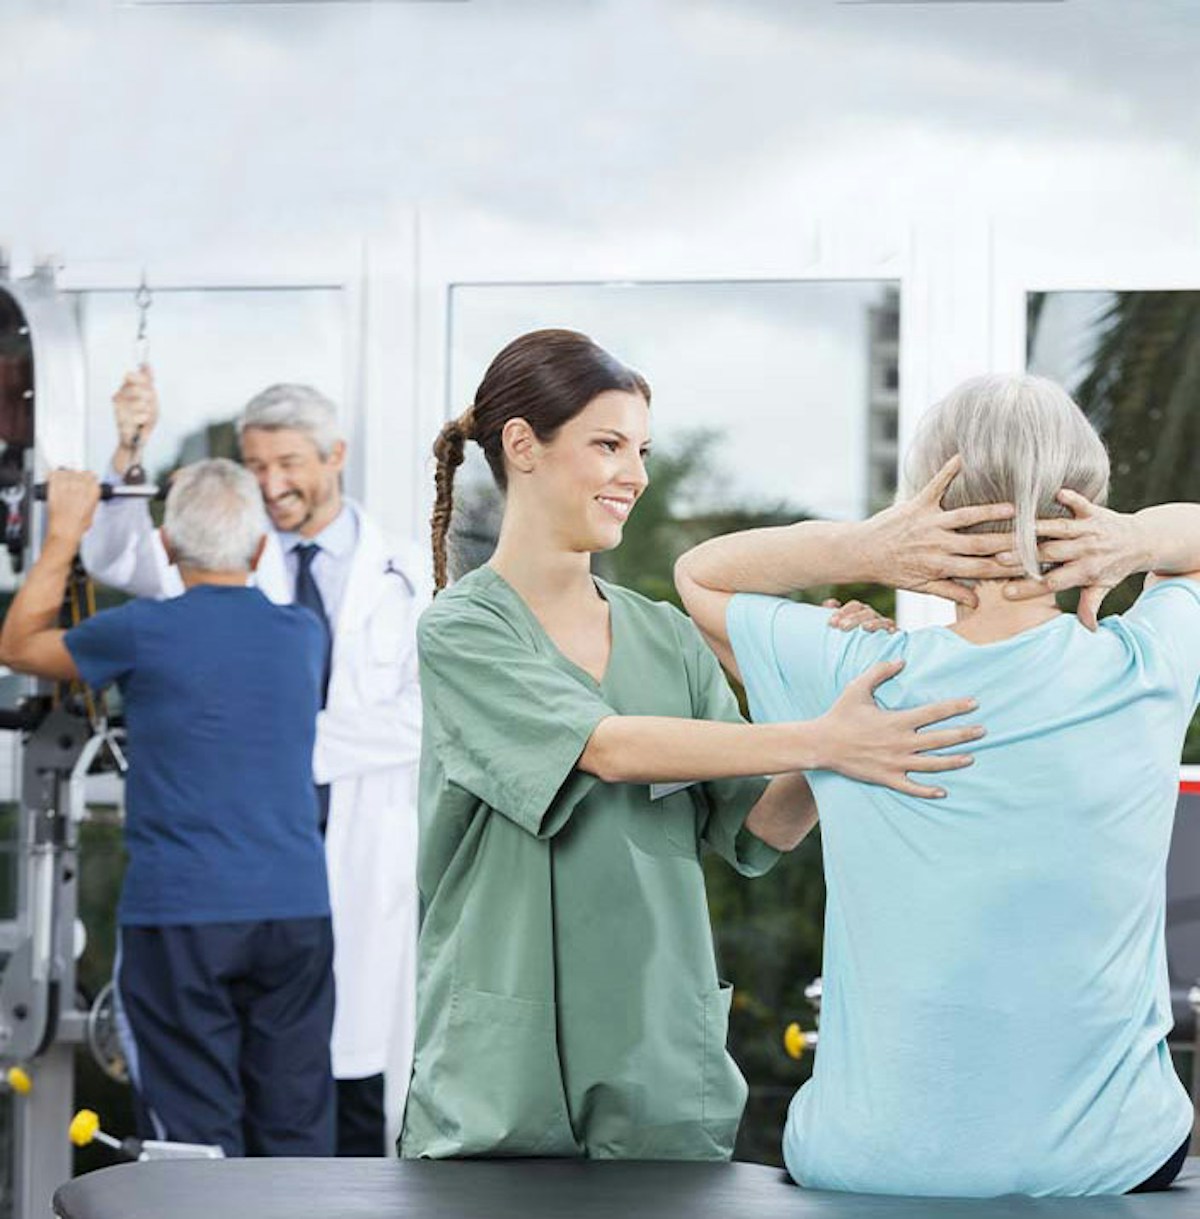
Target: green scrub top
(568,1000)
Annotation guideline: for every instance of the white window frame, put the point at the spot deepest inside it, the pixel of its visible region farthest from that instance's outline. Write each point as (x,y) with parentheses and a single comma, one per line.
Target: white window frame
(373,274)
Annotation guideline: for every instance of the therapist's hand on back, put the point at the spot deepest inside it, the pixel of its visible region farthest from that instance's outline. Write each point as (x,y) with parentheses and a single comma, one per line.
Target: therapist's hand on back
(863,741)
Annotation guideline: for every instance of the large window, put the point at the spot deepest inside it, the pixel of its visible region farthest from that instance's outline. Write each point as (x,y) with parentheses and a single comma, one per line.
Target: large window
(211,350)
(1132,361)
(771,401)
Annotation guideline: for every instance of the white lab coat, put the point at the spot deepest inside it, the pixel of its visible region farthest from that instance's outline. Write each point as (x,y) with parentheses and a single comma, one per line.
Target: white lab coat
(367,749)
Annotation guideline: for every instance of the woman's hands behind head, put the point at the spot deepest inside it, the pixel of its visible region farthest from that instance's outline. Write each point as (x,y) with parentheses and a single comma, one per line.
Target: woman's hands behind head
(916,544)
(1093,550)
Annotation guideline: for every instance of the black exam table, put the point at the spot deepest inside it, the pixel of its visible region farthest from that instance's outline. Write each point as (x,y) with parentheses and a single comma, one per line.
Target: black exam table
(539,1189)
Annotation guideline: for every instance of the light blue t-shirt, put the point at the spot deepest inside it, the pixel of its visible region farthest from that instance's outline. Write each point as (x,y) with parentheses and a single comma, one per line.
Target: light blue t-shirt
(995,1000)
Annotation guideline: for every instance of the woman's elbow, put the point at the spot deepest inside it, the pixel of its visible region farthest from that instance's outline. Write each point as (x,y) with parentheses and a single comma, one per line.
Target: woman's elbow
(686,584)
(601,754)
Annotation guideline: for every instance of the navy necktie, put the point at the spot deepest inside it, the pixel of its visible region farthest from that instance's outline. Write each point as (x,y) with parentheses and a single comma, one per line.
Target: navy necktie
(309,595)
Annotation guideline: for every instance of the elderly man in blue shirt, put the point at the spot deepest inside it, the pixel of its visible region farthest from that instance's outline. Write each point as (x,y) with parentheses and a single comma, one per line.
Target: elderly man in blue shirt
(224,971)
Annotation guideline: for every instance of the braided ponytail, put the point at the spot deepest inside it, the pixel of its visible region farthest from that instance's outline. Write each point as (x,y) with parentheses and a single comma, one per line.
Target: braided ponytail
(448,450)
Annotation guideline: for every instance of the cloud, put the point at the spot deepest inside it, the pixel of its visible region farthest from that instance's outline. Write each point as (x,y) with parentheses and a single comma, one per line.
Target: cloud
(172,124)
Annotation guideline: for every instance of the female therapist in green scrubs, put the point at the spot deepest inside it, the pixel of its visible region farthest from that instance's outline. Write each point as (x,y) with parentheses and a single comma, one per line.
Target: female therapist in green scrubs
(568,999)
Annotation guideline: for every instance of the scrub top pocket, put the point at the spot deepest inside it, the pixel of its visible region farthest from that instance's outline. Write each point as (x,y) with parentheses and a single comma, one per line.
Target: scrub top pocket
(725,1087)
(503,1083)
(667,826)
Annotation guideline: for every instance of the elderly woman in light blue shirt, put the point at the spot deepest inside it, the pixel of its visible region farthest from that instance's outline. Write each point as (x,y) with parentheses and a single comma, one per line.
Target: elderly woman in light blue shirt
(996,1001)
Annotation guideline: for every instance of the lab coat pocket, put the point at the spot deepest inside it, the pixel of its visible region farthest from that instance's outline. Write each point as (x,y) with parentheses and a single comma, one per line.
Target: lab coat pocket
(381,666)
(386,639)
(507,1080)
(724,1096)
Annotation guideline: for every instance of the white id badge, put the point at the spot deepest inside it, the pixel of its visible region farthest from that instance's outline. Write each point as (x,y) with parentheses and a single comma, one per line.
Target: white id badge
(660,791)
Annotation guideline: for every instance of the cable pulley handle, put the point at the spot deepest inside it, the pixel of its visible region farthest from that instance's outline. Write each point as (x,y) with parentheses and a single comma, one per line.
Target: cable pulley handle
(117,491)
(143,299)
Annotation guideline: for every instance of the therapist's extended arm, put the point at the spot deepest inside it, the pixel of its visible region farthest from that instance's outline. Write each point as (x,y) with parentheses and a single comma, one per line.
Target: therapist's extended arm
(855,737)
(913,545)
(1096,548)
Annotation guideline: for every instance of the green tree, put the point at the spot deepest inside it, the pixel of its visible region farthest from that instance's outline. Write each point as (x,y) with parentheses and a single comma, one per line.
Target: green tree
(1140,391)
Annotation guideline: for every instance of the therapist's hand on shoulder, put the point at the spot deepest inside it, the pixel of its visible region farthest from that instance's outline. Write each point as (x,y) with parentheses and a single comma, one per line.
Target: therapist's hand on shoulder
(863,741)
(71,499)
(855,614)
(916,544)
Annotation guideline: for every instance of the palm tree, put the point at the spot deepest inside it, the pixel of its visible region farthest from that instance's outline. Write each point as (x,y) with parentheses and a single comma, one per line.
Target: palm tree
(1142,391)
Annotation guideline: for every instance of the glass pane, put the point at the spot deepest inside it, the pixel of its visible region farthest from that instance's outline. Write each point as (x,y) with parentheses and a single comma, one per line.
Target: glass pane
(211,351)
(771,401)
(1132,362)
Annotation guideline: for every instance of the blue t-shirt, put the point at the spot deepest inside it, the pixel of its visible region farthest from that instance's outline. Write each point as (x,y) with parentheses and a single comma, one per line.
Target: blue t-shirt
(221,691)
(995,1001)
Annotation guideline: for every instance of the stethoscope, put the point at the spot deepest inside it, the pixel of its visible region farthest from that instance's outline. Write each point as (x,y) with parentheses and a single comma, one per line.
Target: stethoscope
(392,570)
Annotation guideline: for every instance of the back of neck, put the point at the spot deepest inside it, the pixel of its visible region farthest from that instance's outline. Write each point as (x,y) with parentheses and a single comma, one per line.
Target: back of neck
(996,618)
(194,576)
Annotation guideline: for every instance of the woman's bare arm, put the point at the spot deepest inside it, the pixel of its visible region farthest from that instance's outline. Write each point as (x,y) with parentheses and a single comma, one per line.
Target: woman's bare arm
(855,737)
(914,545)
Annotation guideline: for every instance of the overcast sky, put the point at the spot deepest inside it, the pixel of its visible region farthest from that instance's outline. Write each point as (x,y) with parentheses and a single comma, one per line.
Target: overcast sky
(126,125)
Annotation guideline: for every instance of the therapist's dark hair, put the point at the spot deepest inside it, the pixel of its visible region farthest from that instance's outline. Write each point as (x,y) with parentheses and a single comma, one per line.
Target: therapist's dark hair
(545,377)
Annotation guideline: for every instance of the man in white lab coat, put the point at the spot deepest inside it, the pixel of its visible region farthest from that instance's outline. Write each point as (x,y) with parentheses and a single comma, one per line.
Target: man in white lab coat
(327,553)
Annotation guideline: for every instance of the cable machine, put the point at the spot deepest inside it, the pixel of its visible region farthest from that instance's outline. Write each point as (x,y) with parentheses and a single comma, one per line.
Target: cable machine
(65,735)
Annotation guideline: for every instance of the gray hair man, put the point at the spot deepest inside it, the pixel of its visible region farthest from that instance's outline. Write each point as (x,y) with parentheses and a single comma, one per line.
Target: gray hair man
(226,947)
(214,519)
(325,552)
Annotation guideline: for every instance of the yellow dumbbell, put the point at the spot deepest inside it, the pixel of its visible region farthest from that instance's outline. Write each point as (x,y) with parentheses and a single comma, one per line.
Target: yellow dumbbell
(84,1127)
(796,1040)
(18,1080)
(85,1130)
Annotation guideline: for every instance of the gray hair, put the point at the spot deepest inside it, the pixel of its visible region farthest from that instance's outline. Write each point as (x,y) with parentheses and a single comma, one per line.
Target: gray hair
(214,517)
(296,408)
(1021,439)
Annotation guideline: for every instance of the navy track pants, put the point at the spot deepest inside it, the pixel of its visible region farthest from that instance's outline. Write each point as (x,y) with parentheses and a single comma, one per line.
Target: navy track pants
(227,1030)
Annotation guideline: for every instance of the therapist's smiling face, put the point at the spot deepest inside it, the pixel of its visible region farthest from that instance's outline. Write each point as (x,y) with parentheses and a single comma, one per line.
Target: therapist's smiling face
(300,487)
(594,470)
